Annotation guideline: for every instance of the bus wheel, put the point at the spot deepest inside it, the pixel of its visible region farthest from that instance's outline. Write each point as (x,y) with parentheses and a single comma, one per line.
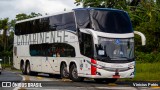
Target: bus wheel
(73,74)
(28,69)
(63,71)
(23,69)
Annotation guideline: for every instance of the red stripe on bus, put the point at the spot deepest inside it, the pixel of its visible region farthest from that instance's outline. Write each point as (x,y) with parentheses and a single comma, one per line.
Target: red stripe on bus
(93,68)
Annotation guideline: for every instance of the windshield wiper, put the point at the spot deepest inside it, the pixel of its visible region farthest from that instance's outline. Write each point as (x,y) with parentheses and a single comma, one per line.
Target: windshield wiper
(125,57)
(118,58)
(101,58)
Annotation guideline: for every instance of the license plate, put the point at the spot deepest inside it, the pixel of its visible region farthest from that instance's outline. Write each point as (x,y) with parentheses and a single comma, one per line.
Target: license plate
(116,76)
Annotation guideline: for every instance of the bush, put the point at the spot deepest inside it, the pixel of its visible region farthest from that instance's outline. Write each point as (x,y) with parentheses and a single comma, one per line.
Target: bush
(147,57)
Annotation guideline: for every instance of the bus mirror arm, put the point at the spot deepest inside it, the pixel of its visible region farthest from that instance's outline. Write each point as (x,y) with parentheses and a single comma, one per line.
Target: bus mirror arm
(90,31)
(95,37)
(143,38)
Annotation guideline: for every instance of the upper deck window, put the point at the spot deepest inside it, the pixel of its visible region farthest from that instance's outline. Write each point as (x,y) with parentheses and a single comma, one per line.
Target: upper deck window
(65,21)
(103,20)
(82,18)
(111,21)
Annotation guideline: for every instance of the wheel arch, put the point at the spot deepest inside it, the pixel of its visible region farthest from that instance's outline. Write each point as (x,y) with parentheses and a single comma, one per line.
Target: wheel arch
(71,63)
(27,61)
(63,62)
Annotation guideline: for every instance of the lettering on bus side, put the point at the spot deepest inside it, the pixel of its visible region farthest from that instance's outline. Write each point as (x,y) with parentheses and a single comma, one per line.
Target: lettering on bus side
(65,37)
(47,37)
(44,37)
(35,38)
(52,39)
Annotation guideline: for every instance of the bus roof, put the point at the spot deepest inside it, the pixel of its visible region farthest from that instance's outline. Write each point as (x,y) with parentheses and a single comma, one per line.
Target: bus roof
(42,16)
(102,9)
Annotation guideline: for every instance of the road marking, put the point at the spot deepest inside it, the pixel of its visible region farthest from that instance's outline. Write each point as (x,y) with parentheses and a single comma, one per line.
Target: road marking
(112,84)
(26,78)
(156,87)
(116,88)
(66,80)
(40,78)
(19,88)
(16,88)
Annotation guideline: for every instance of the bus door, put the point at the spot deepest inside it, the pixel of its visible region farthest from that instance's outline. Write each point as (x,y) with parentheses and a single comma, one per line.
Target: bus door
(87,50)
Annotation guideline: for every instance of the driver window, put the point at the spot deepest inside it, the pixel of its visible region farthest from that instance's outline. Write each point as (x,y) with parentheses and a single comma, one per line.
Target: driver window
(86,45)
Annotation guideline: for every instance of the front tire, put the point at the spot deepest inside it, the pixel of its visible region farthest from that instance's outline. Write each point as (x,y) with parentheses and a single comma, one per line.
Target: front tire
(73,74)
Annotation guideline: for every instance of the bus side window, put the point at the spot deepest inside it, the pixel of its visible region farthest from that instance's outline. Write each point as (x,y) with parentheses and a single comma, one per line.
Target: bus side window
(86,45)
(15,51)
(52,50)
(65,50)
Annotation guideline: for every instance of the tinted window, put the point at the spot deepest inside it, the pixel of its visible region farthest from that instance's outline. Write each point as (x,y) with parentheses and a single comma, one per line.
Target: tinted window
(82,18)
(86,45)
(17,29)
(52,50)
(45,24)
(63,21)
(56,22)
(111,21)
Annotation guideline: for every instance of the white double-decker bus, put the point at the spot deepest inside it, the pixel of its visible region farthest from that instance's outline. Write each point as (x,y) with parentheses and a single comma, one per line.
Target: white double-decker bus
(83,43)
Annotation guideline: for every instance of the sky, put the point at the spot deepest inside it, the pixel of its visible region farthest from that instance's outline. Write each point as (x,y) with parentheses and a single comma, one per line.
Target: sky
(10,8)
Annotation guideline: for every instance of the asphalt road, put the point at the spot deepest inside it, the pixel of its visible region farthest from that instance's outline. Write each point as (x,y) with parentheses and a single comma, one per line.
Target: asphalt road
(44,82)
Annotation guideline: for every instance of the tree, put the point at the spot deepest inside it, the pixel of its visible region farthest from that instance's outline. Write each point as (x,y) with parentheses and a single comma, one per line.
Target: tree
(158,3)
(4,26)
(145,18)
(6,39)
(23,16)
(119,4)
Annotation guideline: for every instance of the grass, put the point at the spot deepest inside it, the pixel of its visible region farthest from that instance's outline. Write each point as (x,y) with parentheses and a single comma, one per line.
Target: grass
(146,72)
(6,65)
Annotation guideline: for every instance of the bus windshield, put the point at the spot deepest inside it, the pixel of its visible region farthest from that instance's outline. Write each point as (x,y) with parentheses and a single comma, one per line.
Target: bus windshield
(111,21)
(115,49)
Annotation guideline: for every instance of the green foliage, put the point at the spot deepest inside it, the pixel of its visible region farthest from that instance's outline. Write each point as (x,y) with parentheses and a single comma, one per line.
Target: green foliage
(147,57)
(147,71)
(119,4)
(23,16)
(4,25)
(145,18)
(6,42)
